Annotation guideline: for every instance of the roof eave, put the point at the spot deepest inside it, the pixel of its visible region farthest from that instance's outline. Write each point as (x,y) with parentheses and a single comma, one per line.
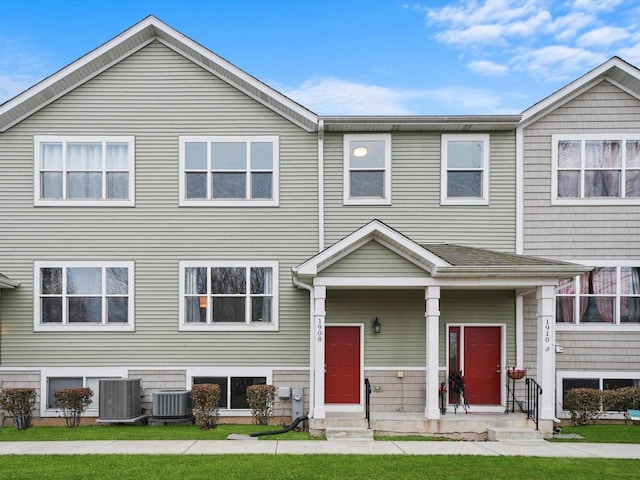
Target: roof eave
(420,122)
(549,271)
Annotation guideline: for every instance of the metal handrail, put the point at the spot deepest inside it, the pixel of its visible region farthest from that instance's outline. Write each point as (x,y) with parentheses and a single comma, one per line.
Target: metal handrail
(367,403)
(533,400)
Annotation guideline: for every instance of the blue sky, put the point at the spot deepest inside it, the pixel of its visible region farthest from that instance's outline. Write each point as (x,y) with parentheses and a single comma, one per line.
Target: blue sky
(351,57)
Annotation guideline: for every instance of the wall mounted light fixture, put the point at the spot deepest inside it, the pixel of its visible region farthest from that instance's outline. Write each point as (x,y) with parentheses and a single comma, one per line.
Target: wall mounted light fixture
(377,326)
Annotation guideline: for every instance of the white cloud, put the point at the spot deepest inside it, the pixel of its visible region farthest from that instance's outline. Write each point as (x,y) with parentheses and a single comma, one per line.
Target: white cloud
(332,96)
(595,5)
(603,37)
(12,85)
(487,68)
(557,62)
(474,35)
(566,27)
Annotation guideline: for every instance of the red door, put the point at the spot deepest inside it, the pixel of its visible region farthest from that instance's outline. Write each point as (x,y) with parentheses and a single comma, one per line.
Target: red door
(342,360)
(482,365)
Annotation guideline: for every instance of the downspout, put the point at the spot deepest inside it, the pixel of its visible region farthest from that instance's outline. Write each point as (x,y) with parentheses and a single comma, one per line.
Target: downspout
(299,284)
(320,185)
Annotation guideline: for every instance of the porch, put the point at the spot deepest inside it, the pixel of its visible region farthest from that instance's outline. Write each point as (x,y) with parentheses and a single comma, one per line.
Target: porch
(471,426)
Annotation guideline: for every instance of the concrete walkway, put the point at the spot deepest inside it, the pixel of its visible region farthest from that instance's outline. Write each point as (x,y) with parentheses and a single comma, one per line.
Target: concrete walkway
(332,447)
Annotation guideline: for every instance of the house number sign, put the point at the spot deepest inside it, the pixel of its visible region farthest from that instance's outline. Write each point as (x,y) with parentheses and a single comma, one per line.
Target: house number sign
(547,338)
(319,330)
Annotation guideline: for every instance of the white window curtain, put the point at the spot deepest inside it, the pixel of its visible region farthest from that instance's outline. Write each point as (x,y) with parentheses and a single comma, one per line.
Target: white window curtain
(603,281)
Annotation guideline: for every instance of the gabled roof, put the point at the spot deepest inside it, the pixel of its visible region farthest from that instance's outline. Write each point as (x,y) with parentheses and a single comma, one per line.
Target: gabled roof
(440,260)
(148,30)
(6,282)
(615,70)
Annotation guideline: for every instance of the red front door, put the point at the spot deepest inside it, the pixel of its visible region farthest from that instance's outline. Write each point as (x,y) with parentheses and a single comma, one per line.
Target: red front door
(342,360)
(482,365)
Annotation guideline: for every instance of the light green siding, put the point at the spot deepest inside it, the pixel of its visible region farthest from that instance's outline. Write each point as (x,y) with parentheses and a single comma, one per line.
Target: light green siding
(373,260)
(578,232)
(415,208)
(156,95)
(402,315)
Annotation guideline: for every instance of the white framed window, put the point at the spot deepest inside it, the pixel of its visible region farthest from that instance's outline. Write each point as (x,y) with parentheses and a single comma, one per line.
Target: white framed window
(596,169)
(229,171)
(84,296)
(464,169)
(84,171)
(367,170)
(604,297)
(228,295)
(600,380)
(55,378)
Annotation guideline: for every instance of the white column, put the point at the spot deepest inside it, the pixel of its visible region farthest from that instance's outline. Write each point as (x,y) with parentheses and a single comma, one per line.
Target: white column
(432,315)
(319,317)
(546,355)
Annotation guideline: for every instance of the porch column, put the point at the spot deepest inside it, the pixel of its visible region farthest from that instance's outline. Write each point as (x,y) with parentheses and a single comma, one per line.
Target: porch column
(319,316)
(546,356)
(432,315)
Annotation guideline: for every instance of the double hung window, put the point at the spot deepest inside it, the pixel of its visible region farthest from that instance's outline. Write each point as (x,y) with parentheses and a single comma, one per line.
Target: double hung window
(95,171)
(233,389)
(233,171)
(83,296)
(367,169)
(596,169)
(606,296)
(229,295)
(465,170)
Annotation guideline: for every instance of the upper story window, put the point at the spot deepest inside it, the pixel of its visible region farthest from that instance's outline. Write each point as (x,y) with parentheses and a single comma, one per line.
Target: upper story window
(228,295)
(94,171)
(229,171)
(367,169)
(83,296)
(596,169)
(607,295)
(465,170)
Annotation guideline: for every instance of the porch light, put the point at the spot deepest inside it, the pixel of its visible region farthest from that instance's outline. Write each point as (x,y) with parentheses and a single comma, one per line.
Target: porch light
(203,302)
(377,327)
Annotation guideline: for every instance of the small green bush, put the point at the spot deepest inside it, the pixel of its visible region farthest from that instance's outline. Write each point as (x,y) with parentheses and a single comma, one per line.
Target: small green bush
(73,402)
(19,402)
(584,405)
(260,398)
(205,398)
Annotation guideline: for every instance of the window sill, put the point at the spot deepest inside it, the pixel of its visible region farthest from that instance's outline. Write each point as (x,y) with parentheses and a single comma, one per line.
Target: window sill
(83,328)
(366,201)
(229,203)
(84,203)
(227,327)
(464,201)
(599,327)
(579,202)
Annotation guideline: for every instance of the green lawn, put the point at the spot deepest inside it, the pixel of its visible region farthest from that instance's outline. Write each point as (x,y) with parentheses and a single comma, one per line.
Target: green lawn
(603,433)
(317,467)
(142,432)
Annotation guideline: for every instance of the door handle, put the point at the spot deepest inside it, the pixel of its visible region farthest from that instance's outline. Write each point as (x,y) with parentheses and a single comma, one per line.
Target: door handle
(498,370)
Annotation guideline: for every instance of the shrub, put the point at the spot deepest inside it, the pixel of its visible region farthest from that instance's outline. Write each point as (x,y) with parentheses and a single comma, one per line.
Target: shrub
(260,398)
(621,399)
(19,402)
(205,398)
(584,405)
(73,402)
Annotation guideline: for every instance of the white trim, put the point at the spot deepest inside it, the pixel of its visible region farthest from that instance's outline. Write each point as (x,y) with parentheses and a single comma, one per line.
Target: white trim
(229,327)
(247,201)
(426,281)
(582,200)
(519,190)
(321,185)
(444,168)
(80,327)
(519,360)
(79,202)
(74,372)
(346,177)
(358,238)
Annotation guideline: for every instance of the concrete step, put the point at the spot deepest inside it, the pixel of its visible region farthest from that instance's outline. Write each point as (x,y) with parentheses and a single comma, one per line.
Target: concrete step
(349,433)
(507,434)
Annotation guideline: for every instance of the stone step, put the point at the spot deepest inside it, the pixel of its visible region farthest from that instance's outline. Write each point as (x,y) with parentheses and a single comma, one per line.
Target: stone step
(348,433)
(506,434)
